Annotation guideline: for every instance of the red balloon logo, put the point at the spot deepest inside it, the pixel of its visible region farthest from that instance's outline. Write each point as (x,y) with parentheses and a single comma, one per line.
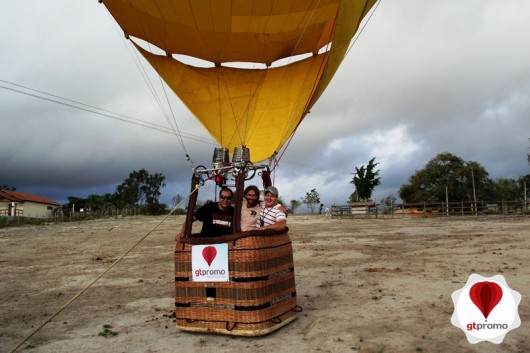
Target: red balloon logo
(209,253)
(486,295)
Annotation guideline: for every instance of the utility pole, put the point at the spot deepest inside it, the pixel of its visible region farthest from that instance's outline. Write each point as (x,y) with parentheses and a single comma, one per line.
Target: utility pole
(446,202)
(525,199)
(474,194)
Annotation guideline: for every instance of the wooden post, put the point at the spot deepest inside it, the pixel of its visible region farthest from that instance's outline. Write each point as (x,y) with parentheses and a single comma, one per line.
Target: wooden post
(240,189)
(191,204)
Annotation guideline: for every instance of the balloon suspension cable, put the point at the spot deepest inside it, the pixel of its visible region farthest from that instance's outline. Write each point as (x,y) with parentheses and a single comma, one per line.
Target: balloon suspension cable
(277,160)
(190,161)
(102,274)
(266,177)
(176,128)
(173,125)
(299,38)
(362,28)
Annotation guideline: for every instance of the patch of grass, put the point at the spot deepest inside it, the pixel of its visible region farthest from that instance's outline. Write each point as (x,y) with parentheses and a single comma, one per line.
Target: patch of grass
(106,332)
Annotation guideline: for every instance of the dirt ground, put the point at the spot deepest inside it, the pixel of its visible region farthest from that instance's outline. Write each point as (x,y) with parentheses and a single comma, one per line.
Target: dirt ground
(365,285)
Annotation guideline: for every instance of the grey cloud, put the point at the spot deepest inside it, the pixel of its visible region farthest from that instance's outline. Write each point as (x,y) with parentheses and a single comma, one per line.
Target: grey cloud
(456,76)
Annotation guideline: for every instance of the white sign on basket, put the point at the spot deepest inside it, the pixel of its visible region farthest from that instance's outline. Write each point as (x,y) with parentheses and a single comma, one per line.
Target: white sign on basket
(209,263)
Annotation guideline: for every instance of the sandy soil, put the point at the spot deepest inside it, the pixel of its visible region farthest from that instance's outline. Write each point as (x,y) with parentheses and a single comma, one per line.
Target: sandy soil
(365,285)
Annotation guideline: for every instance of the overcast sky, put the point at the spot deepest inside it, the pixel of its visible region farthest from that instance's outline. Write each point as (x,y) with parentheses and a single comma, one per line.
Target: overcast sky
(424,77)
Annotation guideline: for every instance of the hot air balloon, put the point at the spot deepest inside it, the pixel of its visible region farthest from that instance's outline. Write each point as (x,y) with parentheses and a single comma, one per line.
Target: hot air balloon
(269,62)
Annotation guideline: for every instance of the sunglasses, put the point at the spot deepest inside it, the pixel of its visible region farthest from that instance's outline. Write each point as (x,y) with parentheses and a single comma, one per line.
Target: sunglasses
(225,197)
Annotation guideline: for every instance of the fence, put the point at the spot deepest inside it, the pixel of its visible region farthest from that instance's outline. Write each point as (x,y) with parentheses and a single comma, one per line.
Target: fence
(68,216)
(441,209)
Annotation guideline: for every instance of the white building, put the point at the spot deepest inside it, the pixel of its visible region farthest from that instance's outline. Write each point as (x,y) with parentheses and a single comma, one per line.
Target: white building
(13,203)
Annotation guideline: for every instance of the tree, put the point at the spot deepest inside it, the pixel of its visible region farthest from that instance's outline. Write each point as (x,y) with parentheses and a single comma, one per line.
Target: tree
(354,197)
(294,205)
(388,202)
(524,186)
(177,199)
(99,203)
(311,199)
(95,202)
(141,189)
(75,204)
(506,189)
(511,189)
(7,187)
(464,181)
(524,180)
(365,180)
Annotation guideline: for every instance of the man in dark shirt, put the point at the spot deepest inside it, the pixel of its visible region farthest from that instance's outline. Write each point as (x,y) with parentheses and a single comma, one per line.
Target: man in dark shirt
(216,217)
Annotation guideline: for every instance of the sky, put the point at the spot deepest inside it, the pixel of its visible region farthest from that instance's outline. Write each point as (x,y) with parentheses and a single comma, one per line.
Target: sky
(77,114)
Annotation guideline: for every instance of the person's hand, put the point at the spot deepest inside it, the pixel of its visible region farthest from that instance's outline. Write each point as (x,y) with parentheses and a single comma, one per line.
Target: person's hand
(179,235)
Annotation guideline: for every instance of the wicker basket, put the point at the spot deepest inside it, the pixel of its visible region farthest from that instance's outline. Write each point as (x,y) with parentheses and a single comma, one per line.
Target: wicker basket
(260,296)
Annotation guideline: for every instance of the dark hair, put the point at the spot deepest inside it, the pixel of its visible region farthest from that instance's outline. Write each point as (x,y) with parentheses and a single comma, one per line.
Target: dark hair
(224,188)
(252,187)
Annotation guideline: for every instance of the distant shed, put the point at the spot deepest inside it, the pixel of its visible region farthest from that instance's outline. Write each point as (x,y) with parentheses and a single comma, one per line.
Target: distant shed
(420,210)
(13,203)
(361,208)
(355,209)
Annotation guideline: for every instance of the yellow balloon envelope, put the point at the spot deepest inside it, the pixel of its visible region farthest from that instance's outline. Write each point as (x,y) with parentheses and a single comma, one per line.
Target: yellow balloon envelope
(259,108)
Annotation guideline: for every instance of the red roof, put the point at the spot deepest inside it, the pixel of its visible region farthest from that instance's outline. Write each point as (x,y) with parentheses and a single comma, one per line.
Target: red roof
(21,197)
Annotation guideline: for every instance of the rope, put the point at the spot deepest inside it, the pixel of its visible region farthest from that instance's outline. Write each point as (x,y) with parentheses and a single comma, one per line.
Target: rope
(362,29)
(287,65)
(277,161)
(177,132)
(134,54)
(101,275)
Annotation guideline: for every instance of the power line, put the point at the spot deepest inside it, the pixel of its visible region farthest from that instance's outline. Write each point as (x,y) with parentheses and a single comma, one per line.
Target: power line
(172,123)
(94,110)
